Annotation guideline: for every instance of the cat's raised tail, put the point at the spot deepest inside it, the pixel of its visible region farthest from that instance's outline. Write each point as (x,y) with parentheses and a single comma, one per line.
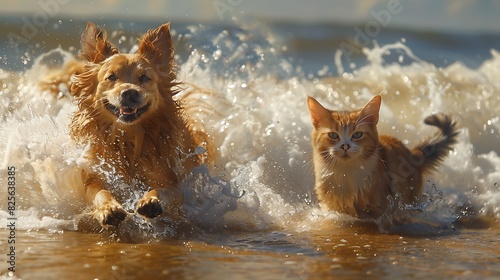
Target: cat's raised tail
(431,152)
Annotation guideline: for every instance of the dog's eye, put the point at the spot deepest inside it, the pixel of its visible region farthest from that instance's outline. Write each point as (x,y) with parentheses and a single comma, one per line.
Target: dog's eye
(144,79)
(112,78)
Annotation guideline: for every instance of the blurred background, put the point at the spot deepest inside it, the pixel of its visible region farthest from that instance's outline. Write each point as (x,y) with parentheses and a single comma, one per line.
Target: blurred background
(453,15)
(310,32)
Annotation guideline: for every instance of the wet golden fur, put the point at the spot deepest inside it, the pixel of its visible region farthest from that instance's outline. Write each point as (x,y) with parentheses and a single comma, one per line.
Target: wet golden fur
(52,80)
(358,172)
(131,124)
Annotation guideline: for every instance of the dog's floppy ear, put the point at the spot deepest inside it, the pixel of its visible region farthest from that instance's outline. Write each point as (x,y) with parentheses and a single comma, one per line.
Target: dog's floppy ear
(156,45)
(94,46)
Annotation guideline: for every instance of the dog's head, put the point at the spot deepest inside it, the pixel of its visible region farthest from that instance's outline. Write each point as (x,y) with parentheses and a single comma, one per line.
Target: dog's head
(125,88)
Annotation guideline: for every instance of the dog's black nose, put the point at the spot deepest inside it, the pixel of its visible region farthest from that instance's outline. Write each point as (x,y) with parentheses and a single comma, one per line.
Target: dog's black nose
(130,98)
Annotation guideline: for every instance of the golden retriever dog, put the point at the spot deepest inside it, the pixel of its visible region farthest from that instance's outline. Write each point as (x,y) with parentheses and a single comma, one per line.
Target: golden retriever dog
(132,126)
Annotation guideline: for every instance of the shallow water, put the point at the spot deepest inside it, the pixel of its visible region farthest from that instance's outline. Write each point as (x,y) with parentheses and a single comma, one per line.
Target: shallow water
(340,253)
(255,215)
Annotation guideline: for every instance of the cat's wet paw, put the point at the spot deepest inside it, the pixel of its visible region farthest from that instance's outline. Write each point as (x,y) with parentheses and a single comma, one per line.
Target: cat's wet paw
(149,207)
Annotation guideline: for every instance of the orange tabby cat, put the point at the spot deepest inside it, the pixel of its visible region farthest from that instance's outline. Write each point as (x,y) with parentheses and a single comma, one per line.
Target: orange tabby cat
(358,172)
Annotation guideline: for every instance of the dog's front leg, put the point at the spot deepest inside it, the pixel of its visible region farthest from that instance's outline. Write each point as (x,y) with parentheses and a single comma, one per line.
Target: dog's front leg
(158,201)
(107,211)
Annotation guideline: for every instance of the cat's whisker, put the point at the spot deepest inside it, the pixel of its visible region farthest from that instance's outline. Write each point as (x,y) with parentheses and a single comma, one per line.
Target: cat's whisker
(363,123)
(359,121)
(331,160)
(310,164)
(333,163)
(377,157)
(325,154)
(328,158)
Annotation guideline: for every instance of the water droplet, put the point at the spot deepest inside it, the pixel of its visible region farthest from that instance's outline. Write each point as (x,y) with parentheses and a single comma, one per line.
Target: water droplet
(261,160)
(217,54)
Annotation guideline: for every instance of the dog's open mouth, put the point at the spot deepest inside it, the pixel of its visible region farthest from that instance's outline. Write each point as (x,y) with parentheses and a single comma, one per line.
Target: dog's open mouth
(126,114)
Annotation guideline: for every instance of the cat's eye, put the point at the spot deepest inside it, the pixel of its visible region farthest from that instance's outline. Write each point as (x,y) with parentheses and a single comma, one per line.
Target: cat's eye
(112,78)
(144,79)
(333,135)
(357,135)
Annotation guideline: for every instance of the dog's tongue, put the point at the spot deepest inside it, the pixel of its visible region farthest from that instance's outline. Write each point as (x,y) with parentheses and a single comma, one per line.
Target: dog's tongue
(128,111)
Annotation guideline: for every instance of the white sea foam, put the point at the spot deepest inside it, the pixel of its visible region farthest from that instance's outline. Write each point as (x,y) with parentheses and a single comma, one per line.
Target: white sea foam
(262,130)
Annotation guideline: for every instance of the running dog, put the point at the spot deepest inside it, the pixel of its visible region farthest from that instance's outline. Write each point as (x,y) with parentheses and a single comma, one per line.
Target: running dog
(132,126)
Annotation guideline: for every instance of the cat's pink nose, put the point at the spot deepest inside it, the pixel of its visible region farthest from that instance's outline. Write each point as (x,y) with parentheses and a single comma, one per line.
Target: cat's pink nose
(345,147)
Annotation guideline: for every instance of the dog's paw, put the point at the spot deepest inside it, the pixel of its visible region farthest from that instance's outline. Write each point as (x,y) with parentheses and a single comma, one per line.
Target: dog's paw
(149,207)
(110,213)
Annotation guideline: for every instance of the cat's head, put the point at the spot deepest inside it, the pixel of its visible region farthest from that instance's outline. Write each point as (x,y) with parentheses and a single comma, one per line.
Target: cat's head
(345,136)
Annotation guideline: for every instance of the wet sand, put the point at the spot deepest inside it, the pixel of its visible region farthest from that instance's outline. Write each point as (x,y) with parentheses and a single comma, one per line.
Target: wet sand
(344,253)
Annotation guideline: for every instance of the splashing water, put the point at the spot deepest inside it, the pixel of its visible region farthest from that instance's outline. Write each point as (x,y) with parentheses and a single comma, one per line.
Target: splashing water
(259,119)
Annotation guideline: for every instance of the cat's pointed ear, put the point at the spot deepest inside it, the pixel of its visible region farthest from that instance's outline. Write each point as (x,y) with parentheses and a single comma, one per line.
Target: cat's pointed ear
(319,114)
(370,112)
(94,46)
(156,45)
